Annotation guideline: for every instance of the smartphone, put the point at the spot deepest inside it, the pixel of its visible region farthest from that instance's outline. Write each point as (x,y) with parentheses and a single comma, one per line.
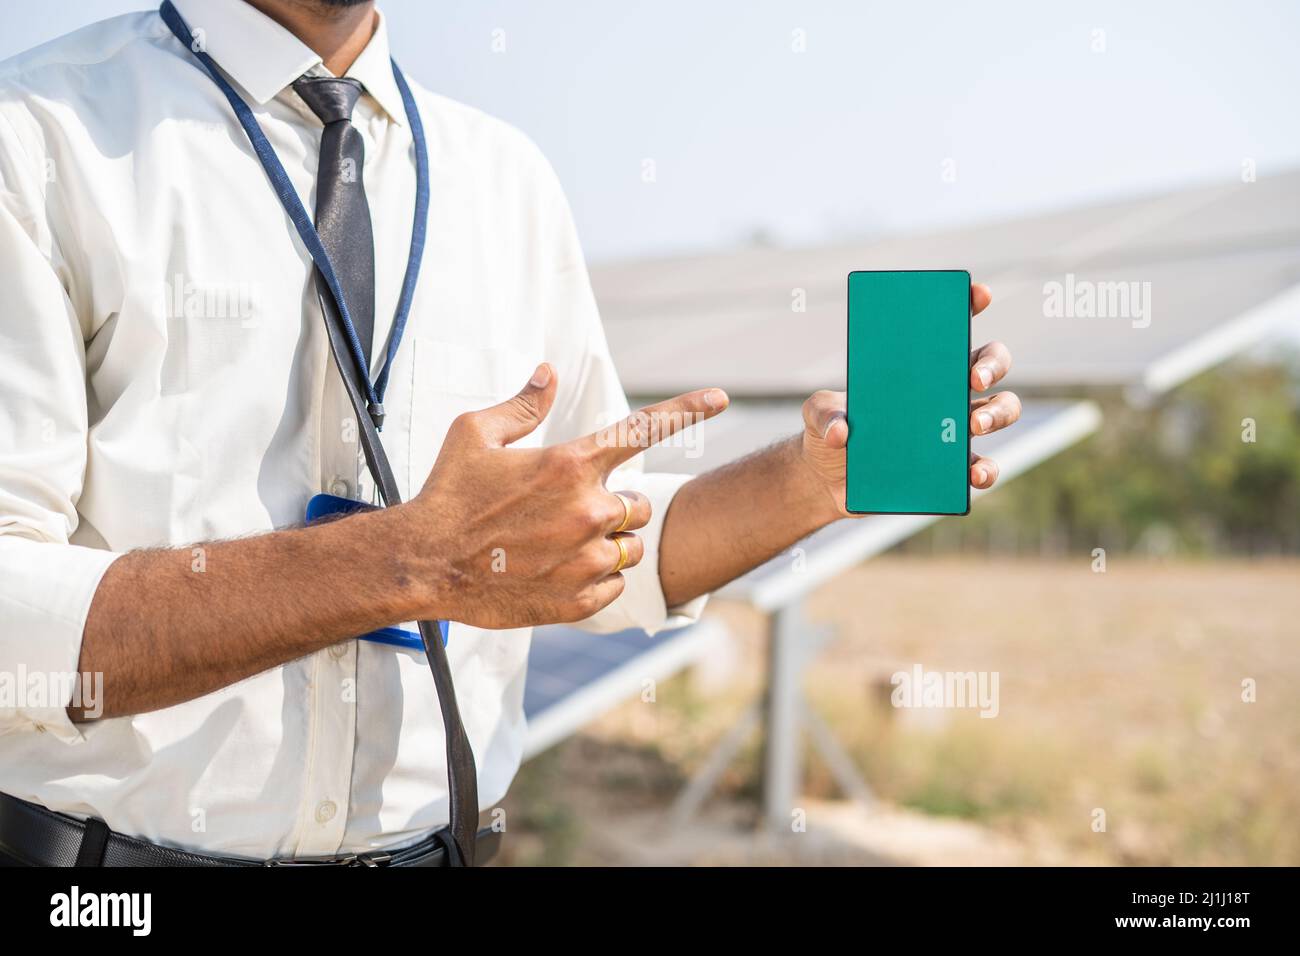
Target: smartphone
(909,393)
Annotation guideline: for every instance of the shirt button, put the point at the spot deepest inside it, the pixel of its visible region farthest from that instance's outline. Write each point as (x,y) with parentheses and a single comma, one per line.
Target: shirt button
(337,651)
(339,488)
(325,811)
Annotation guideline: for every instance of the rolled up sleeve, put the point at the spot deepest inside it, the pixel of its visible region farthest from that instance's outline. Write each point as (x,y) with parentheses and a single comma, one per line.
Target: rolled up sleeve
(596,400)
(591,397)
(46,583)
(642,604)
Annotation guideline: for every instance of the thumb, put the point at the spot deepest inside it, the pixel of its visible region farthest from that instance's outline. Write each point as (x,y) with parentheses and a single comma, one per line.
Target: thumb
(824,417)
(516,417)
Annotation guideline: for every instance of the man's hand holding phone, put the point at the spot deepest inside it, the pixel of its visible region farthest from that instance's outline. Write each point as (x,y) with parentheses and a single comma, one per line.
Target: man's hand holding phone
(826,430)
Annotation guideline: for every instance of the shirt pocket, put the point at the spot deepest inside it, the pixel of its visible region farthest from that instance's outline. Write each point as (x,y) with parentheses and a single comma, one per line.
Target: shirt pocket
(451,379)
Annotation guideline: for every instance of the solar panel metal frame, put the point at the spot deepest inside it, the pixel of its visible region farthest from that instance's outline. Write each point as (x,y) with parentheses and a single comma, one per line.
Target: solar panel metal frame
(575,676)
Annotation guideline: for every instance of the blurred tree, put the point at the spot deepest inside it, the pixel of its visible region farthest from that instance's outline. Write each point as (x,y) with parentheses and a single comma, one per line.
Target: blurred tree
(1213,467)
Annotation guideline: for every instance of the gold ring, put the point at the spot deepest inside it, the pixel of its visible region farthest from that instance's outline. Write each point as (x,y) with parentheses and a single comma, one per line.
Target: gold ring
(627,514)
(622,555)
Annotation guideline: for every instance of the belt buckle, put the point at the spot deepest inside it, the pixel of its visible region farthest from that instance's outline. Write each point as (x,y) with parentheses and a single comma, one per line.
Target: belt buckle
(313,861)
(350,860)
(376,859)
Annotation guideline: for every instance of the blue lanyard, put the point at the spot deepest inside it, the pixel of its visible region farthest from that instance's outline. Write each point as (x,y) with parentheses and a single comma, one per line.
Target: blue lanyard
(302,221)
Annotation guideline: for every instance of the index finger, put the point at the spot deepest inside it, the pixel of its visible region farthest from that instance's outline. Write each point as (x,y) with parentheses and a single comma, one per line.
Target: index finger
(625,439)
(980,297)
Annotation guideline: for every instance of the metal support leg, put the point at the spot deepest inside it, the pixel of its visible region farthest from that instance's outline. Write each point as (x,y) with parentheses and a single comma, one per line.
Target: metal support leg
(782,757)
(838,762)
(715,765)
(786,714)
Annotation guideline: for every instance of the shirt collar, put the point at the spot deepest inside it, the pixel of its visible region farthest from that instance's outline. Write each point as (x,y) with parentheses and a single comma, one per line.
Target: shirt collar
(264,58)
(374,68)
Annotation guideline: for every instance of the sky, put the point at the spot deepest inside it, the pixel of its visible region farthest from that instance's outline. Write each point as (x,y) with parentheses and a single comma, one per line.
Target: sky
(682,126)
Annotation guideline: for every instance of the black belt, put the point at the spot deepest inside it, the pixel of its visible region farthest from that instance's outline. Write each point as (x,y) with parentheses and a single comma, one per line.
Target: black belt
(40,837)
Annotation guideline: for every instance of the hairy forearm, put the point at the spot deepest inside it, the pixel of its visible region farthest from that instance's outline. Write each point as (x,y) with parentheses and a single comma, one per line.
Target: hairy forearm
(732,519)
(167,626)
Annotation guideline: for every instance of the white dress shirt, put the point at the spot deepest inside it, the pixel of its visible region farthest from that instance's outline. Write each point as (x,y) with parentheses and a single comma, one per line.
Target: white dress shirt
(165,380)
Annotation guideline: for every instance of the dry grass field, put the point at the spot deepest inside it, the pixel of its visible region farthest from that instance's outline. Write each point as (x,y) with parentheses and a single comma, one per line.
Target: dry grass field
(1119,691)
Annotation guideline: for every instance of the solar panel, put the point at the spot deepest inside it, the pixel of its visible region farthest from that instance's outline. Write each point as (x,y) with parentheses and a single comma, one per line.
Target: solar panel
(575,676)
(1209,256)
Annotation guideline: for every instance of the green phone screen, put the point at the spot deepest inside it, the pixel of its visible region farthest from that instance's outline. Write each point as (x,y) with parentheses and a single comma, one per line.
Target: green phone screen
(909,392)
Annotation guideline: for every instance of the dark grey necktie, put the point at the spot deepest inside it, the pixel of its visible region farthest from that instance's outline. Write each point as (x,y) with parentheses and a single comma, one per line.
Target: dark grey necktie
(343,221)
(342,213)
